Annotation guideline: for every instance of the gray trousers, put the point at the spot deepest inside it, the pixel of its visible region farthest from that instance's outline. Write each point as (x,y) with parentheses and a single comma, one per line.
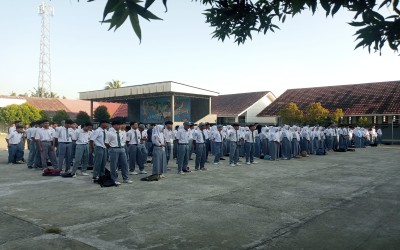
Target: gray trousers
(168,151)
(81,158)
(217,151)
(201,155)
(183,156)
(286,148)
(64,152)
(141,157)
(249,151)
(100,159)
(159,160)
(233,153)
(133,157)
(118,159)
(48,153)
(32,153)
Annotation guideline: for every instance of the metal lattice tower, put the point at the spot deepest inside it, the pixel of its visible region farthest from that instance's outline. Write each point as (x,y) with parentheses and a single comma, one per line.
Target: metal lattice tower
(44,84)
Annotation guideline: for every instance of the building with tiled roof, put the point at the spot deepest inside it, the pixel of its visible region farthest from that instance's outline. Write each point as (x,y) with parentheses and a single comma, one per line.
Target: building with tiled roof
(242,107)
(379,101)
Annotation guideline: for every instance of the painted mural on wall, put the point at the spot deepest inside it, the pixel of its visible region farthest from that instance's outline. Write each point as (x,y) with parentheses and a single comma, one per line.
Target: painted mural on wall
(155,110)
(182,109)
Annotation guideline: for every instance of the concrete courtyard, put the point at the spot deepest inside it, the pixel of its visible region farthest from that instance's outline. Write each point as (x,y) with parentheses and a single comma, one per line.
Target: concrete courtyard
(340,201)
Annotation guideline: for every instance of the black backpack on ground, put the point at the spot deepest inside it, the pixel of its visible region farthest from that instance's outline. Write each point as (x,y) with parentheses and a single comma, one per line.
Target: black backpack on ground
(105,180)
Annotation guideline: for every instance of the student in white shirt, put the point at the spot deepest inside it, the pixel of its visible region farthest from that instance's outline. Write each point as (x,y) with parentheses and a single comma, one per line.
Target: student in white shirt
(250,141)
(133,137)
(168,133)
(159,159)
(30,136)
(82,149)
(115,142)
(62,138)
(218,141)
(45,143)
(200,138)
(13,140)
(97,139)
(183,137)
(234,144)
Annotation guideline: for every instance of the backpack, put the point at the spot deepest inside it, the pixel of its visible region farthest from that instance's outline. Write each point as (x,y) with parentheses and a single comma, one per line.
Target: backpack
(154,177)
(320,151)
(51,172)
(105,180)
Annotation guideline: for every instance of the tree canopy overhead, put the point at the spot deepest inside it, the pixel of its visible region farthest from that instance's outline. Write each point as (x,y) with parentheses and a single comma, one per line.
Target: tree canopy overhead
(240,19)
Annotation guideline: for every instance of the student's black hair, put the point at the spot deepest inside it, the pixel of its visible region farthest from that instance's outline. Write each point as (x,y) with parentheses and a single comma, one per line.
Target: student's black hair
(88,124)
(132,123)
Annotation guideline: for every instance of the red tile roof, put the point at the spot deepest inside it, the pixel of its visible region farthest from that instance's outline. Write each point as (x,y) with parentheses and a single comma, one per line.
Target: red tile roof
(355,99)
(49,105)
(122,111)
(234,104)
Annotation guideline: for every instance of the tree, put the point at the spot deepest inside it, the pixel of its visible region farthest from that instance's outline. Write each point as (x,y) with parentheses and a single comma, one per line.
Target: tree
(82,117)
(44,115)
(43,93)
(337,116)
(316,114)
(242,18)
(101,113)
(25,112)
(363,122)
(114,84)
(291,114)
(61,115)
(13,94)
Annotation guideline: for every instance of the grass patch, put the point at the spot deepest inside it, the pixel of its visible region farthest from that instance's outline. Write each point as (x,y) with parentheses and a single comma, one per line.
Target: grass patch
(53,230)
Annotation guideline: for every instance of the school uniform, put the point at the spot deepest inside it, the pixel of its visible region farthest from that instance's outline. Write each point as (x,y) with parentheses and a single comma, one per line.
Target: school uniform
(14,142)
(74,139)
(142,150)
(379,134)
(149,143)
(81,151)
(250,141)
(116,140)
(168,134)
(295,142)
(218,145)
(133,140)
(44,139)
(64,148)
(183,137)
(175,146)
(30,135)
(234,144)
(286,139)
(159,160)
(98,138)
(201,148)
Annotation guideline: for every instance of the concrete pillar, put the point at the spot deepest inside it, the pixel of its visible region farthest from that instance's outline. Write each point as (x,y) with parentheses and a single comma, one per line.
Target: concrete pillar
(209,107)
(173,108)
(91,110)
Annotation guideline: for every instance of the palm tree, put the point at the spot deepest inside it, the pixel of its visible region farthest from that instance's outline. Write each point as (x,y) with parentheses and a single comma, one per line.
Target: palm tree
(114,84)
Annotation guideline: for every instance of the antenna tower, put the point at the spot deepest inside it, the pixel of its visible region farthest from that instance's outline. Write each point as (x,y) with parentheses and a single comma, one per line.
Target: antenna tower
(44,84)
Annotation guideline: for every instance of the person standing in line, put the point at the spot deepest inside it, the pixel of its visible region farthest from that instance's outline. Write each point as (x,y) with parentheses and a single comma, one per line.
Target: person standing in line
(13,140)
(63,139)
(134,155)
(175,147)
(218,144)
(192,143)
(149,143)
(45,143)
(72,130)
(115,141)
(200,138)
(286,139)
(38,158)
(169,135)
(250,141)
(183,137)
(82,149)
(207,134)
(159,155)
(98,147)
(379,133)
(30,136)
(234,139)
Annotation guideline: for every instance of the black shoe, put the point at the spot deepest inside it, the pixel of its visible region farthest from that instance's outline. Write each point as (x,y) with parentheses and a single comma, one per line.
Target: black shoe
(186,171)
(222,159)
(30,167)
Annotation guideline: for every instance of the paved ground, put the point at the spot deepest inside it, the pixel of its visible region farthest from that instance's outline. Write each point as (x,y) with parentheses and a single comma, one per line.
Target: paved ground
(341,201)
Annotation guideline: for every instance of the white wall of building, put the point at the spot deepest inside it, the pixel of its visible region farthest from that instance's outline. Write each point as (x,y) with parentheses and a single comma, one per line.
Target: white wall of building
(8,101)
(260,105)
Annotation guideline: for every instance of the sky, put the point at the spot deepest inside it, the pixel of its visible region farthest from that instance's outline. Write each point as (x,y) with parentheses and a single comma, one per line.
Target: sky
(308,51)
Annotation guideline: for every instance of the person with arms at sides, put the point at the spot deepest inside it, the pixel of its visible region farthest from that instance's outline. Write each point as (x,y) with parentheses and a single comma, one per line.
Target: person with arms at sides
(13,140)
(175,147)
(98,147)
(62,138)
(192,143)
(149,144)
(135,154)
(379,133)
(234,142)
(45,143)
(82,149)
(30,136)
(159,157)
(201,147)
(115,141)
(169,135)
(183,136)
(218,140)
(250,141)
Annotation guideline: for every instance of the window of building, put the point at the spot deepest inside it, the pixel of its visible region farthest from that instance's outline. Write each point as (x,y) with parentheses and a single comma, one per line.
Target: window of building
(384,119)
